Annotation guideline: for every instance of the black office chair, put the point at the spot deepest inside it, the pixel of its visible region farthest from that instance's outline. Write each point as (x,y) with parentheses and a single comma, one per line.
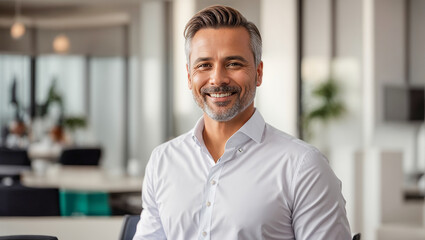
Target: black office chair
(129,227)
(357,236)
(80,156)
(18,200)
(28,237)
(12,162)
(11,156)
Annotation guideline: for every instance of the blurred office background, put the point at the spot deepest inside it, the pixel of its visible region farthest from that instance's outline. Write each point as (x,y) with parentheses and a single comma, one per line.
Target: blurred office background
(344,75)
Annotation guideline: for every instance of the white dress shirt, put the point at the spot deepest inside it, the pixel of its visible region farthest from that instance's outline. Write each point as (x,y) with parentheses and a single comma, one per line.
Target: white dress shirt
(267,185)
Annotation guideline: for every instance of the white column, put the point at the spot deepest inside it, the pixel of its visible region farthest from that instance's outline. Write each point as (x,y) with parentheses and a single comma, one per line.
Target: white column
(371,173)
(368,71)
(134,99)
(185,110)
(277,97)
(371,193)
(152,77)
(347,165)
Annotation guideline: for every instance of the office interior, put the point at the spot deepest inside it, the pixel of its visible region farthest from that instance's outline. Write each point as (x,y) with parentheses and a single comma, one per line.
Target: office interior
(344,75)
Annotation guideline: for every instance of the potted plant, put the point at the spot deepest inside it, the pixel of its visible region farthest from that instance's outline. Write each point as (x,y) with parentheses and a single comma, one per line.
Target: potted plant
(329,107)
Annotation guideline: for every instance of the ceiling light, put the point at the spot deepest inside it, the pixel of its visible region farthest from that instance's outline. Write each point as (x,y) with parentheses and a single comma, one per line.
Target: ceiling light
(18,28)
(61,44)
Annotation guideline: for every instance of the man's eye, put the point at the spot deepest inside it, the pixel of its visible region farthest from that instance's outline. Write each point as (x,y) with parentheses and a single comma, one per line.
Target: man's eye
(234,64)
(203,65)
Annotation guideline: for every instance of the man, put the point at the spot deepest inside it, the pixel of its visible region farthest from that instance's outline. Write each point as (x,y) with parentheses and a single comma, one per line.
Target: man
(234,176)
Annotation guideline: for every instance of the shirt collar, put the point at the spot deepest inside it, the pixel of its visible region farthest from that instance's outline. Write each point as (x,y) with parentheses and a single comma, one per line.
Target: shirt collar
(253,128)
(197,132)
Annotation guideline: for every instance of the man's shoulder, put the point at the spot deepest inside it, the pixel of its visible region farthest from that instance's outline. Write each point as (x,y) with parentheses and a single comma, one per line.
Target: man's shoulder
(281,139)
(295,150)
(173,144)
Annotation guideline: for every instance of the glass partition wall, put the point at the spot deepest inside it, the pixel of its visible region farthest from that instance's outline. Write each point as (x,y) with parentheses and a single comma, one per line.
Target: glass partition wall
(14,74)
(67,98)
(83,89)
(15,88)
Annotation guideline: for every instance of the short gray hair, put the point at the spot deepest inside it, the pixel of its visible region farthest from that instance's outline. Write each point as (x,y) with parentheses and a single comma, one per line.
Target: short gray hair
(222,16)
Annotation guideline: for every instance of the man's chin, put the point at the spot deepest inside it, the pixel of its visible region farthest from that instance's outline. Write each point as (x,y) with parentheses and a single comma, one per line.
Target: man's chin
(221,115)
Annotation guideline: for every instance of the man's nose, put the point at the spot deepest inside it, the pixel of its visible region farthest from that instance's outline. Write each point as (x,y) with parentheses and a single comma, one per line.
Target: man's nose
(219,76)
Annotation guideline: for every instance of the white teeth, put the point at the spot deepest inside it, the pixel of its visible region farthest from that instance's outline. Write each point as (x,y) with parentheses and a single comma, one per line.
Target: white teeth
(220,95)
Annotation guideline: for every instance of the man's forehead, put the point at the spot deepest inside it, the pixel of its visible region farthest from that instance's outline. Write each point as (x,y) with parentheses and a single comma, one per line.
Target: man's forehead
(228,41)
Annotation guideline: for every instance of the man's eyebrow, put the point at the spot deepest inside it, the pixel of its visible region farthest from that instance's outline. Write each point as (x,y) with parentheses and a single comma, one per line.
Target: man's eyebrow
(240,58)
(198,60)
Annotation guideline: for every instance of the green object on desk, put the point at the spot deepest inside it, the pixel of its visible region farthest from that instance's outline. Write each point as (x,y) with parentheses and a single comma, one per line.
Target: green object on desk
(80,203)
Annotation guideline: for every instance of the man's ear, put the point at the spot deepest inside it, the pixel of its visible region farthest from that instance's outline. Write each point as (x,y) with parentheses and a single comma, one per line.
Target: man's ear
(259,74)
(189,80)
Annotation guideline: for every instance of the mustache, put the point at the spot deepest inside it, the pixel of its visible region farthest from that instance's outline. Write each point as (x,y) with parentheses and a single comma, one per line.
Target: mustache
(209,90)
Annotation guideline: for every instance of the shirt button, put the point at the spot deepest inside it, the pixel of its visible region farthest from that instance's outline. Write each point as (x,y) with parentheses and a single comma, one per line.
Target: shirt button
(240,150)
(204,233)
(208,204)
(213,182)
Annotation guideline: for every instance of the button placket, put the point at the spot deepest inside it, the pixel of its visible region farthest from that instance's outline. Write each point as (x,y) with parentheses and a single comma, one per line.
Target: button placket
(209,196)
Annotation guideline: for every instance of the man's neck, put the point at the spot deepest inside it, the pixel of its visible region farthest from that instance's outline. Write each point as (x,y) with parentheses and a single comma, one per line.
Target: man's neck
(216,134)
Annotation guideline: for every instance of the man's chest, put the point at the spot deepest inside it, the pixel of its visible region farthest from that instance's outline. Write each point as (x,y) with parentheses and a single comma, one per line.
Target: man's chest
(230,196)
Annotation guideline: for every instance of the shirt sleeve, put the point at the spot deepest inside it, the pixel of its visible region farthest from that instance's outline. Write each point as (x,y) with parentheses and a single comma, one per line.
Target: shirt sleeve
(149,226)
(318,205)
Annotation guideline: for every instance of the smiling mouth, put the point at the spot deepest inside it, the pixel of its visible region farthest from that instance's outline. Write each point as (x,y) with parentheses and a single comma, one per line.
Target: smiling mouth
(220,95)
(221,92)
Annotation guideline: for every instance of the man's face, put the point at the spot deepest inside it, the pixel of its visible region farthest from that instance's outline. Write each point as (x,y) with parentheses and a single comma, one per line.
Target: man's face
(222,74)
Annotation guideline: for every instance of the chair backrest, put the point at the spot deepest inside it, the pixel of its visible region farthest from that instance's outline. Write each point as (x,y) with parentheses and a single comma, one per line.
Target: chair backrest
(18,200)
(80,156)
(10,156)
(28,237)
(356,237)
(129,227)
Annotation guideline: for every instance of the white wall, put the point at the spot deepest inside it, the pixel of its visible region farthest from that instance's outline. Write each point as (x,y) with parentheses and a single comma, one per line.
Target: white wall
(345,67)
(348,73)
(152,85)
(417,39)
(186,112)
(384,63)
(390,69)
(316,28)
(416,63)
(277,96)
(106,109)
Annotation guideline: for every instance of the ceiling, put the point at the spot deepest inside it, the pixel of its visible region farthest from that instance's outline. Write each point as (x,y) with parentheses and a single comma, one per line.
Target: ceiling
(59,7)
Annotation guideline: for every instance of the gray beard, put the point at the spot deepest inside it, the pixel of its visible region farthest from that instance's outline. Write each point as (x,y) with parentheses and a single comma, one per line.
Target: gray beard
(227,115)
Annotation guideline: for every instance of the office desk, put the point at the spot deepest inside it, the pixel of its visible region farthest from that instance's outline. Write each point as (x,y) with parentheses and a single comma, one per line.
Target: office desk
(8,170)
(65,228)
(82,178)
(86,190)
